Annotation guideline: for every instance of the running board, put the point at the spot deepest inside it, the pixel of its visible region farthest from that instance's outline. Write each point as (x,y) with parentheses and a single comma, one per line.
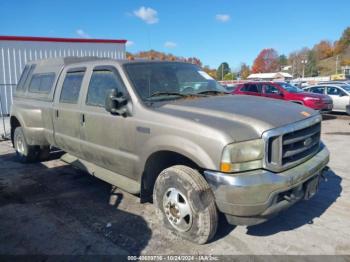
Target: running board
(110,177)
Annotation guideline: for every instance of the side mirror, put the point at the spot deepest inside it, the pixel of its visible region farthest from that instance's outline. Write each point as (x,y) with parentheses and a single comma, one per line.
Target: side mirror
(116,103)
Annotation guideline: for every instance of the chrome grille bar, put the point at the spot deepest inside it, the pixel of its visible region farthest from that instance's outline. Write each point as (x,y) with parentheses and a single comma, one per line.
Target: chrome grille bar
(290,145)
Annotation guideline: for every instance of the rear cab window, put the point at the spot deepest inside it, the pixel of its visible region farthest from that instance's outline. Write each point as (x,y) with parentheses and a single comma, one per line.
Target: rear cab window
(42,83)
(71,86)
(24,80)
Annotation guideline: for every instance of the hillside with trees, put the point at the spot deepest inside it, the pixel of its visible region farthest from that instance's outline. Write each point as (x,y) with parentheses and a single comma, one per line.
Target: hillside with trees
(321,60)
(152,54)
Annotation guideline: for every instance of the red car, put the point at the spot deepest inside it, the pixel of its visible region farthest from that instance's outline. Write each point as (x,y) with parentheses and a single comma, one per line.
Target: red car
(285,91)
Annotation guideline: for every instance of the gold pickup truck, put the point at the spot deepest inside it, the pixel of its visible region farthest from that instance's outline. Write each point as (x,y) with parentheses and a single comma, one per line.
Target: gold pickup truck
(168,132)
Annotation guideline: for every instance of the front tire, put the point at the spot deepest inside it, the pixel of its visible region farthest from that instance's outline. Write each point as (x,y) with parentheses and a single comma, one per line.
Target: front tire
(186,203)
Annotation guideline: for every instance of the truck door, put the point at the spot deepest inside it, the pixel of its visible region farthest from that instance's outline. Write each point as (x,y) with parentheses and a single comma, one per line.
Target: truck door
(106,140)
(66,110)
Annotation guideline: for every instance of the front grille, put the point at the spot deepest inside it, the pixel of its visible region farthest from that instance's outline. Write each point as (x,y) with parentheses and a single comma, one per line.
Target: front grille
(288,146)
(300,144)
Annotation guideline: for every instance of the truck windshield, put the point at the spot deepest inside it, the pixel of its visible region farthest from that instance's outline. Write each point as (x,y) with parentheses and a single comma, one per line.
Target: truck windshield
(291,89)
(171,80)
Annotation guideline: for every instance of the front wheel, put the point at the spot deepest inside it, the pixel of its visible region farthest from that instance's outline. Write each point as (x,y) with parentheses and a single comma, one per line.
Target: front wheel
(186,203)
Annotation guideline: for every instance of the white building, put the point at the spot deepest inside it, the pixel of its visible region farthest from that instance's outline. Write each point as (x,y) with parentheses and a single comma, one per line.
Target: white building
(16,51)
(281,76)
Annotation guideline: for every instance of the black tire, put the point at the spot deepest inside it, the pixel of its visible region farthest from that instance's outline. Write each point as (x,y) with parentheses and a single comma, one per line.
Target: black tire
(25,152)
(192,190)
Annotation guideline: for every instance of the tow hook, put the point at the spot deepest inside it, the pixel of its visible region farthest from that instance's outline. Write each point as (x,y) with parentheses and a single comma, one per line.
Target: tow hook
(324,170)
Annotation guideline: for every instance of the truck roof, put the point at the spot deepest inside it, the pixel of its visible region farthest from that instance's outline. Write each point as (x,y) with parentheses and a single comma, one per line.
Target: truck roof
(65,61)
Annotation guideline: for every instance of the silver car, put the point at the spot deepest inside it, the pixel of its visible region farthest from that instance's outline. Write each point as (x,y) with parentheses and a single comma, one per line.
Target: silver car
(340,94)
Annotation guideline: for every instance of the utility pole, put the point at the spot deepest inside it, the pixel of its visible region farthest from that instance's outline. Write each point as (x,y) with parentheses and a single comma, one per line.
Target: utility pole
(304,62)
(336,64)
(222,71)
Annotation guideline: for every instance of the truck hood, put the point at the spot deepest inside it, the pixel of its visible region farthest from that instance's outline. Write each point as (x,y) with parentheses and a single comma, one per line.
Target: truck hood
(241,117)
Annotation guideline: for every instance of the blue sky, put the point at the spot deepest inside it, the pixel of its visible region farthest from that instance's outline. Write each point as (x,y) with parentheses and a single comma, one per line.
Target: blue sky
(214,31)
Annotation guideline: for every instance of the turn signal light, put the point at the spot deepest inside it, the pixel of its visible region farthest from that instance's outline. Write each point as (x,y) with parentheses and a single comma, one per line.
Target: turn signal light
(225,167)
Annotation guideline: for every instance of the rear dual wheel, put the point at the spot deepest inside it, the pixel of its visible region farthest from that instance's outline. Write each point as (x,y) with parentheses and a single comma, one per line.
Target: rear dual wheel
(28,153)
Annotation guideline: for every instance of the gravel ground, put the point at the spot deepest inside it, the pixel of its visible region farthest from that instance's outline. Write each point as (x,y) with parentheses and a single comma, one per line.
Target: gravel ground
(51,208)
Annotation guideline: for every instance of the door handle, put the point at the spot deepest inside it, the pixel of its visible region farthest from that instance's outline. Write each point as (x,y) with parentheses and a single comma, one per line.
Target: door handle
(56,113)
(82,119)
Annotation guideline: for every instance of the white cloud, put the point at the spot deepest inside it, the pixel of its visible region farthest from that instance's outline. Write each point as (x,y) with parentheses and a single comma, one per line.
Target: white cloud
(147,14)
(169,44)
(223,17)
(82,33)
(129,43)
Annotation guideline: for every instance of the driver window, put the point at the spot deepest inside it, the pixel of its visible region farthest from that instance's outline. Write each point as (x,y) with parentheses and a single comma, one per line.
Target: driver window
(100,83)
(270,89)
(333,91)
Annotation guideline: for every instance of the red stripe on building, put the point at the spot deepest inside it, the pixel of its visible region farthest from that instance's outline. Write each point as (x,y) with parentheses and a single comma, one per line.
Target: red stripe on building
(63,40)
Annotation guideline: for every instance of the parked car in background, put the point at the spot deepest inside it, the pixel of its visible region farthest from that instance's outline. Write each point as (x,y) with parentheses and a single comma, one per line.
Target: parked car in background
(299,83)
(285,91)
(334,83)
(340,94)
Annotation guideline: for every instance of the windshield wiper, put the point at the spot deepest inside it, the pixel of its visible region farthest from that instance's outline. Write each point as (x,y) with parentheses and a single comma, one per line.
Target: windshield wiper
(216,92)
(166,94)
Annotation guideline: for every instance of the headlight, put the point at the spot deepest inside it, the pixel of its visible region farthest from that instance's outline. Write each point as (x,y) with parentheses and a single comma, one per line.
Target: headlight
(242,156)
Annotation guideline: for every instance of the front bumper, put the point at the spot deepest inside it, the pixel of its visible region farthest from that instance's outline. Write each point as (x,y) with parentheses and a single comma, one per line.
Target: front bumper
(324,108)
(255,196)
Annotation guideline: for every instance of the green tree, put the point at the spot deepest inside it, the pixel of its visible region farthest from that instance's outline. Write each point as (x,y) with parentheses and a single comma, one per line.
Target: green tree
(311,68)
(343,43)
(244,71)
(223,69)
(282,60)
(230,76)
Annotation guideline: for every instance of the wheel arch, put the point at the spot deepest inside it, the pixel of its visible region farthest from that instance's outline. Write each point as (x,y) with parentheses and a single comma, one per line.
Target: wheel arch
(14,123)
(156,163)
